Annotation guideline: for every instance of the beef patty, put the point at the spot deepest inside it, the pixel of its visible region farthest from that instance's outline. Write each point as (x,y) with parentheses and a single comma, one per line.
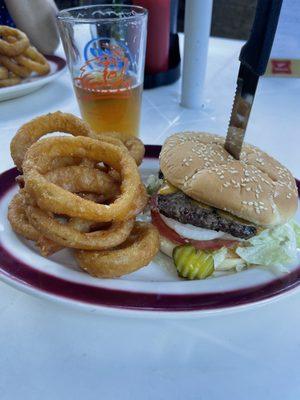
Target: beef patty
(184,209)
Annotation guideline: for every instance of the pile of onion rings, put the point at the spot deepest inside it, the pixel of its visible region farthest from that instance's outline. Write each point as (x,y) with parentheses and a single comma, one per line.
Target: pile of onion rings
(81,192)
(18,59)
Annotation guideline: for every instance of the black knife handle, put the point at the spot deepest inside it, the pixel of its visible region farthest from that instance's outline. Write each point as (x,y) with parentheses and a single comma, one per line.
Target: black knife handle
(256,52)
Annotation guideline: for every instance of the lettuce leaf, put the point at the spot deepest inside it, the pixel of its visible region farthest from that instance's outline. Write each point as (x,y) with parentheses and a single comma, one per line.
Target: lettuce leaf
(219,258)
(153,184)
(226,261)
(276,246)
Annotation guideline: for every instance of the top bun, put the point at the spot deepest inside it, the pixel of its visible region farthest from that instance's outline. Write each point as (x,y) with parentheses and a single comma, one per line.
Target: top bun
(256,188)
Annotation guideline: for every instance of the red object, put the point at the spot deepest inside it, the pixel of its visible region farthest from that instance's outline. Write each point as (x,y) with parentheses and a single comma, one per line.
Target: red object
(281,66)
(158,34)
(173,236)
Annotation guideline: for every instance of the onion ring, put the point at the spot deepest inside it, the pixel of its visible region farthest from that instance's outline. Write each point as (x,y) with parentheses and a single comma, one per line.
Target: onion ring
(140,201)
(12,49)
(21,225)
(20,181)
(106,137)
(34,61)
(75,179)
(32,131)
(97,198)
(111,136)
(3,72)
(18,218)
(67,236)
(78,178)
(10,81)
(53,198)
(136,252)
(12,65)
(47,247)
(136,148)
(134,145)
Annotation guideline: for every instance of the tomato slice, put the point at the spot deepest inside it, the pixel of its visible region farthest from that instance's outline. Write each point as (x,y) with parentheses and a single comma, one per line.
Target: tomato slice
(173,236)
(166,231)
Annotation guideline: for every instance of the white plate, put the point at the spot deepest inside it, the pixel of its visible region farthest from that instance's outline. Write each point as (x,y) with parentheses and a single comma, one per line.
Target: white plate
(29,85)
(155,289)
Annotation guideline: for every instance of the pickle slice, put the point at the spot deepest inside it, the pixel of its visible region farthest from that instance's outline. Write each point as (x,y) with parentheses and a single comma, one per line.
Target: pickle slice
(192,263)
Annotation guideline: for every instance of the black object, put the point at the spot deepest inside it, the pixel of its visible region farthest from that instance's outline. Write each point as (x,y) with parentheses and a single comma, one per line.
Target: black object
(254,58)
(173,16)
(173,73)
(256,52)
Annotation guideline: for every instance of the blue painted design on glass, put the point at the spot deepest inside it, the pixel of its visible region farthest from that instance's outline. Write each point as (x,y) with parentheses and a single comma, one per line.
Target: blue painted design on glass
(106,52)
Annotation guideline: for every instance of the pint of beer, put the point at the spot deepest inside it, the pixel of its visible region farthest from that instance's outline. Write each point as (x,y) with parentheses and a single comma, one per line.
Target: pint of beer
(105,49)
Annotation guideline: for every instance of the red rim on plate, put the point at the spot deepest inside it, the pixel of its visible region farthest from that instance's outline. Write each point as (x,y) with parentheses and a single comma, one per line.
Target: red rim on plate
(22,273)
(59,62)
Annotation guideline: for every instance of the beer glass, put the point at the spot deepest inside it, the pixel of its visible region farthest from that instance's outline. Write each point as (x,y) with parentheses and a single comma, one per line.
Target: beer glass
(105,51)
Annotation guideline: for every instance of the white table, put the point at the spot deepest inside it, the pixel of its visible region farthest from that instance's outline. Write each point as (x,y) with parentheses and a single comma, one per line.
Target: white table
(50,352)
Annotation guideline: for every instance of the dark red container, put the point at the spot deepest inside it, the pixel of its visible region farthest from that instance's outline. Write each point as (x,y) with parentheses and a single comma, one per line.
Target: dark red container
(158,35)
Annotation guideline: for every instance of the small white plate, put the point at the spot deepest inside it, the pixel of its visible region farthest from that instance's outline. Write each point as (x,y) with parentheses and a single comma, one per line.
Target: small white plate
(29,85)
(153,290)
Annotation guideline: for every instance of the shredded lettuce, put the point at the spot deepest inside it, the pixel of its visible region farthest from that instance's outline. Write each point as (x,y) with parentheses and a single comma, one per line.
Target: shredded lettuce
(276,246)
(219,257)
(225,261)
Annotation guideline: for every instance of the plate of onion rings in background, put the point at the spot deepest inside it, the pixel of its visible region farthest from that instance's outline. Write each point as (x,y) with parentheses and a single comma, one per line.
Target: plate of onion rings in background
(23,69)
(34,82)
(75,228)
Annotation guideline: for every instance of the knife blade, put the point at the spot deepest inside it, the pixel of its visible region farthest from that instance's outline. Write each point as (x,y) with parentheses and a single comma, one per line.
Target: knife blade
(254,57)
(242,104)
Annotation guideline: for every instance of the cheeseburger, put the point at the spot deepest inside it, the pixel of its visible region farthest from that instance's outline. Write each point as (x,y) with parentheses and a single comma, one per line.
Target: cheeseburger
(216,213)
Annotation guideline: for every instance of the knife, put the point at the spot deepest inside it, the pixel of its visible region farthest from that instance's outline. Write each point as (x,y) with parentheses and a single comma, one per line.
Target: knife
(254,58)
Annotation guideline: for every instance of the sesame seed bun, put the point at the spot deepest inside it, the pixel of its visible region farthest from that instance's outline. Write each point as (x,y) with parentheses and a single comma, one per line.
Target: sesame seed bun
(256,188)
